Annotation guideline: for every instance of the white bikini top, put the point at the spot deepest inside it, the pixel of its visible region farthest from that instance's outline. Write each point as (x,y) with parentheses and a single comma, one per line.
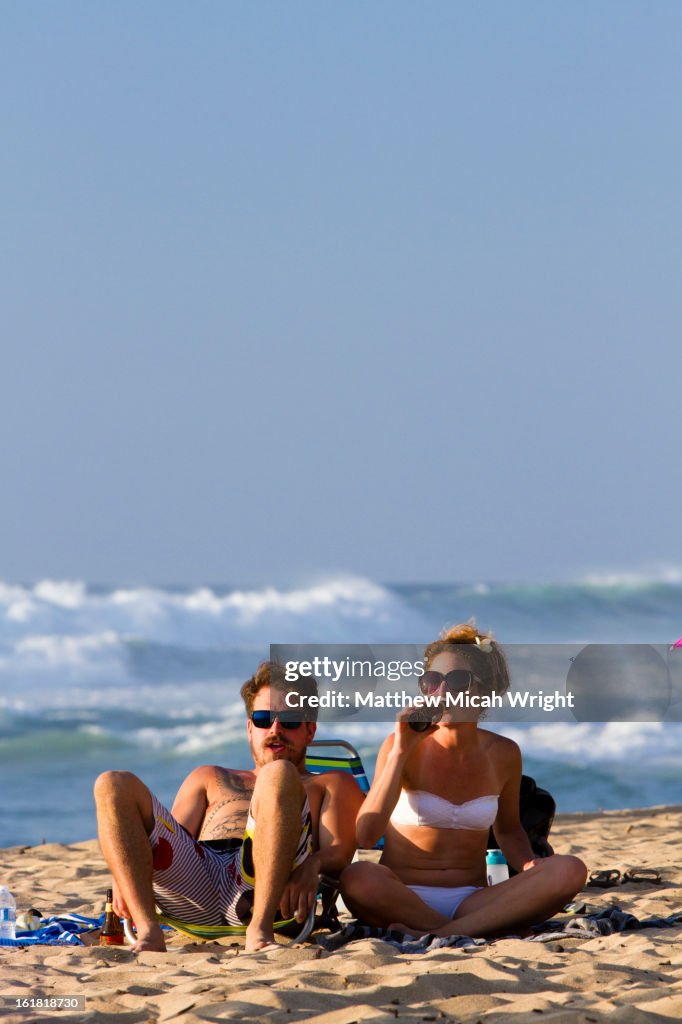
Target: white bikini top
(418,807)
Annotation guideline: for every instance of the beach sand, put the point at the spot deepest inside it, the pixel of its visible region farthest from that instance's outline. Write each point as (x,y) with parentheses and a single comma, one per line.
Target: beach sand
(629,977)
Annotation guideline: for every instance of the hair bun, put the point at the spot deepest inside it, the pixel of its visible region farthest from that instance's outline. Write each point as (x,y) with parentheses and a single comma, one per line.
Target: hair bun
(487,656)
(463,633)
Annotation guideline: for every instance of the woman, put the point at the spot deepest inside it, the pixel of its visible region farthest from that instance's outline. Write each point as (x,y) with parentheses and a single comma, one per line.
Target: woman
(435,795)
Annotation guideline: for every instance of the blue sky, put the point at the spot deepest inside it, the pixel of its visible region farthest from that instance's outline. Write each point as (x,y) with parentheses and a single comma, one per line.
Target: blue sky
(387,288)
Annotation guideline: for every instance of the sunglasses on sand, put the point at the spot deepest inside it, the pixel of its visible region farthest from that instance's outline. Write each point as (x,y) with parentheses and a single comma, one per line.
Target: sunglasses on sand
(458,680)
(264,719)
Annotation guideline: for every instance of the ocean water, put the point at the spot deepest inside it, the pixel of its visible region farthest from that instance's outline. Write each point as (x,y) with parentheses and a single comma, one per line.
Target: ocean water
(147,679)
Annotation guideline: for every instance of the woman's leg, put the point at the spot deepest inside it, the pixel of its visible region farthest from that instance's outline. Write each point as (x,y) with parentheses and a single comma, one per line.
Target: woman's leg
(376,895)
(525,899)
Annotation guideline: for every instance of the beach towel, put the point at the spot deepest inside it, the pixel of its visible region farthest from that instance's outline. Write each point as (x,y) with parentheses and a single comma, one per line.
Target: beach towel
(60,930)
(606,922)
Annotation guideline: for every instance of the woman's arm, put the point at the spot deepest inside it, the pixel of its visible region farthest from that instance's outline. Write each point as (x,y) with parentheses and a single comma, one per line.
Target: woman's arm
(376,809)
(509,831)
(388,777)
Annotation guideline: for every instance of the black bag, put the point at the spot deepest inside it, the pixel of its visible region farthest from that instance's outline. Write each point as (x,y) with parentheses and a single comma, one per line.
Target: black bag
(537,808)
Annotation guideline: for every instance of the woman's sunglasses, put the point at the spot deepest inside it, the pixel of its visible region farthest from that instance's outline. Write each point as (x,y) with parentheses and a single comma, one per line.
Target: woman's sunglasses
(264,720)
(457,681)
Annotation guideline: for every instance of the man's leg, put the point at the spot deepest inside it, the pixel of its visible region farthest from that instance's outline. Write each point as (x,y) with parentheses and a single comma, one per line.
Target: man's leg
(276,807)
(125,821)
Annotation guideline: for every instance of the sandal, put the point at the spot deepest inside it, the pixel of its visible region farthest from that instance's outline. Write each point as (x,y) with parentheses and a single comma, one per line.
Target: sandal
(604,879)
(643,875)
(575,907)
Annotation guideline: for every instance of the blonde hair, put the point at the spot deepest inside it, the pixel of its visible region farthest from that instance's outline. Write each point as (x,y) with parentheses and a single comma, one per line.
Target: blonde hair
(483,652)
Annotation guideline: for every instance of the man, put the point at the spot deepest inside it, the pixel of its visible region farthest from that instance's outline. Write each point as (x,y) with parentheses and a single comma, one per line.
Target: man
(237,844)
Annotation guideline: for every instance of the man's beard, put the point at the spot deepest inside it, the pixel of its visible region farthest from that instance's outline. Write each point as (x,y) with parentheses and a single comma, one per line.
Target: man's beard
(287,753)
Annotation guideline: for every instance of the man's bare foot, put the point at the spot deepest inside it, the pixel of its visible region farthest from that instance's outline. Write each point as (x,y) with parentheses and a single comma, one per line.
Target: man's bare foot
(150,940)
(258,938)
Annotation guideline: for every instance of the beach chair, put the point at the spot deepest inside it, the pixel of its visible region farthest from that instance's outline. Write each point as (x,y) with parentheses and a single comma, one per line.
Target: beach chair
(346,759)
(209,933)
(340,755)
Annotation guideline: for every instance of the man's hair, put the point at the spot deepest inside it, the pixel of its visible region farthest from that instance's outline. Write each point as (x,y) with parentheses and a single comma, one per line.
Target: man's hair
(271,673)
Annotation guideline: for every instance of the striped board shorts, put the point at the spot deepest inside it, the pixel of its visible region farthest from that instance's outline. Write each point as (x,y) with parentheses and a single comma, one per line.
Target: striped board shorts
(203,885)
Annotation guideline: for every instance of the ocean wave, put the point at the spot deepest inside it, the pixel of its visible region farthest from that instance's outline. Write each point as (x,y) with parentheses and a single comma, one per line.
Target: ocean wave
(600,611)
(56,635)
(592,743)
(331,610)
(54,745)
(642,579)
(194,738)
(346,609)
(181,725)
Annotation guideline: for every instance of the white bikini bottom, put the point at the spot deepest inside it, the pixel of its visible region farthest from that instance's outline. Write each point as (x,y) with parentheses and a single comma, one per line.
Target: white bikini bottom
(444,900)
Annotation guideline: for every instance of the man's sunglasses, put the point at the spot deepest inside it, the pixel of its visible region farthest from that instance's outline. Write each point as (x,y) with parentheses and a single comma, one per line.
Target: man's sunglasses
(458,680)
(264,719)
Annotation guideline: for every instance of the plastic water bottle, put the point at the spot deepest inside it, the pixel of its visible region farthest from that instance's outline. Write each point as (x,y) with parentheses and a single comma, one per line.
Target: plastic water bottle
(8,914)
(497,868)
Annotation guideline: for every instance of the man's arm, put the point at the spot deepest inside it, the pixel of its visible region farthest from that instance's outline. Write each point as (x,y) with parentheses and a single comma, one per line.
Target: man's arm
(189,806)
(336,830)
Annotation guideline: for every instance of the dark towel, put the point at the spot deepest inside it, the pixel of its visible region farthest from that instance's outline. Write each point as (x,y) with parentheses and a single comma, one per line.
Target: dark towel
(605,923)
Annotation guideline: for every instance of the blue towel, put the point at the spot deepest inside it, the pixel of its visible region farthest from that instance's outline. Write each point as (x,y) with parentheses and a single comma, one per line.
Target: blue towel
(61,930)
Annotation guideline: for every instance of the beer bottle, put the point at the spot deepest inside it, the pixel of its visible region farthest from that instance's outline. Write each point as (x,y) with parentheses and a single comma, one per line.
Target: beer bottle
(112,929)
